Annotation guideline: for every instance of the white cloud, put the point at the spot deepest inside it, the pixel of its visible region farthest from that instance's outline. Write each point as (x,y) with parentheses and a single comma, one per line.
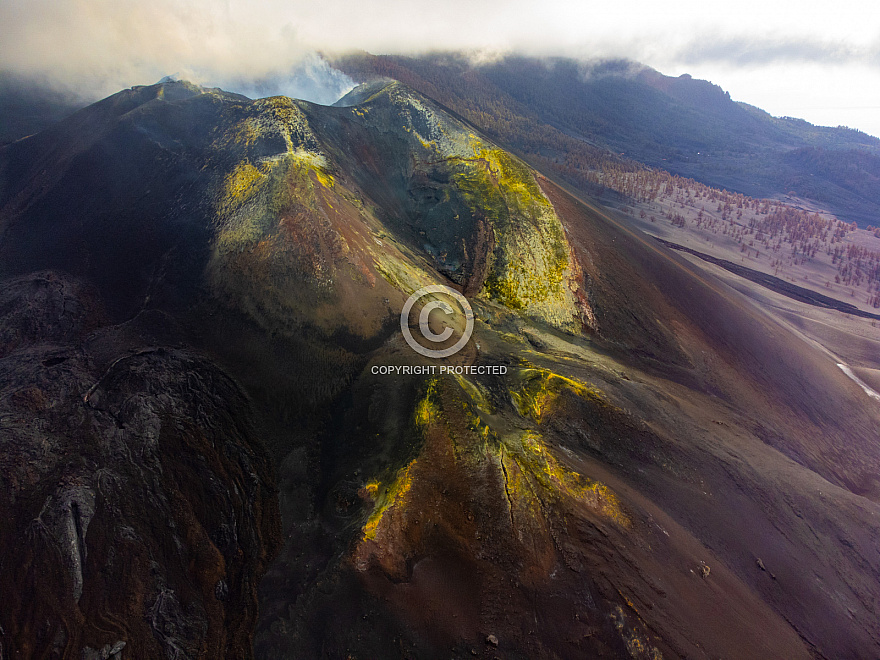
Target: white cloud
(103,45)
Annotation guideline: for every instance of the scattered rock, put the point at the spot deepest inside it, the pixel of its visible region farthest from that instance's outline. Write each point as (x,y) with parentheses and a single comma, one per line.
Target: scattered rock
(109,652)
(704,571)
(491,639)
(761,565)
(221,590)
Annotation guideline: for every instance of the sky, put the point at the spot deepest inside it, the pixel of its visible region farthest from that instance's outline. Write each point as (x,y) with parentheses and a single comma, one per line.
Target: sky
(816,60)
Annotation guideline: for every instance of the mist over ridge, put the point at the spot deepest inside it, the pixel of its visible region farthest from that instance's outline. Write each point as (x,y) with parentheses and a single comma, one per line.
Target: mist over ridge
(817,64)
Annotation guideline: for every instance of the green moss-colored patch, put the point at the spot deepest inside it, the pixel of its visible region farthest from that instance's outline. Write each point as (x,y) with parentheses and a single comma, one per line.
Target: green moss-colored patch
(555,481)
(427,409)
(241,184)
(387,498)
(539,388)
(529,269)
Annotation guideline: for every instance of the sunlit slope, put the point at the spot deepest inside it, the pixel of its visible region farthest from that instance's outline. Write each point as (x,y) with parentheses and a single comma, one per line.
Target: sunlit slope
(278,191)
(601,498)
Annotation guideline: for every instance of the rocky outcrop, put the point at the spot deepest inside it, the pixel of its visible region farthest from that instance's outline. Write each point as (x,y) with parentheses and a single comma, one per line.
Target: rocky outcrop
(139,503)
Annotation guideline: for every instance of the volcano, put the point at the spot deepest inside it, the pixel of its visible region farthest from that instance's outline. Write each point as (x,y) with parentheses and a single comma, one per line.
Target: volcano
(208,449)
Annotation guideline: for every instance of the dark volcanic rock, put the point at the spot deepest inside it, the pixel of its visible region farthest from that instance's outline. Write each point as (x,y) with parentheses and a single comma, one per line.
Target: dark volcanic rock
(130,492)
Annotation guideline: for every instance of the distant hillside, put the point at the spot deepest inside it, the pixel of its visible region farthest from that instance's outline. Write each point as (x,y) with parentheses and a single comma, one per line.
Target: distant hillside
(688,127)
(27,108)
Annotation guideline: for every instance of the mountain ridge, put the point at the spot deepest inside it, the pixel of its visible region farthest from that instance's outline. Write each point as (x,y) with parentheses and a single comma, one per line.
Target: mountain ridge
(653,119)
